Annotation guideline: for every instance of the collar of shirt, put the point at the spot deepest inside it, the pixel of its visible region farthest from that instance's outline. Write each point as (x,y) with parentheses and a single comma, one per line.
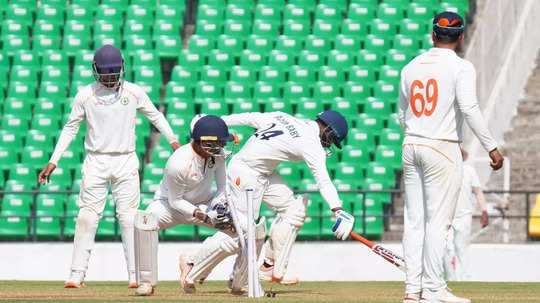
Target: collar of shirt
(444,51)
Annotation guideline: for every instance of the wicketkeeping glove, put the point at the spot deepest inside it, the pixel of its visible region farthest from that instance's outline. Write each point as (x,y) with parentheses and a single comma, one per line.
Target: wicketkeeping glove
(220,217)
(344,224)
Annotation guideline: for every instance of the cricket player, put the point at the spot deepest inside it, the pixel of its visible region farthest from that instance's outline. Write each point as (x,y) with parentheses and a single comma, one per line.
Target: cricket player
(279,137)
(457,252)
(185,196)
(437,90)
(109,105)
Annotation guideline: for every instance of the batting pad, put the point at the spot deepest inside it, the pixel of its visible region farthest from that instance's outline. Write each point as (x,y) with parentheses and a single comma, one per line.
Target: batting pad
(146,247)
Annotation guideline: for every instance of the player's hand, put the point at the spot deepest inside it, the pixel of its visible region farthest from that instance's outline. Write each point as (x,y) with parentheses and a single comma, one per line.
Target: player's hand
(496,159)
(175,145)
(344,224)
(44,176)
(224,218)
(484,219)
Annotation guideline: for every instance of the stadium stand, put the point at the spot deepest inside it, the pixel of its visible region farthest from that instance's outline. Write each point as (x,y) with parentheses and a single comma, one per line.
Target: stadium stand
(296,56)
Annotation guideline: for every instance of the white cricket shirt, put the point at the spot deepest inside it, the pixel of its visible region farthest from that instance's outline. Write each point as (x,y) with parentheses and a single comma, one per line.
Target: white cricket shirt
(187,180)
(467,199)
(282,137)
(110,116)
(437,90)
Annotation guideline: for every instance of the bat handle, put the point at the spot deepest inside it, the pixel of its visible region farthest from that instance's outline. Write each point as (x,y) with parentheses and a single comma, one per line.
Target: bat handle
(365,241)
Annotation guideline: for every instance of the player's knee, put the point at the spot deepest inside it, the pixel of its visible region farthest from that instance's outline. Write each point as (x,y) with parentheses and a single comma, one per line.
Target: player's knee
(88,217)
(295,214)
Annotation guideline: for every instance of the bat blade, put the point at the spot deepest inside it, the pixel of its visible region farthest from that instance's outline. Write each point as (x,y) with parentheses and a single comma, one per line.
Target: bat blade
(386,254)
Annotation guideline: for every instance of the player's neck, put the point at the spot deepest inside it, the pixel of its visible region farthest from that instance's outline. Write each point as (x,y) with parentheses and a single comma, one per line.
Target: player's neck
(451,46)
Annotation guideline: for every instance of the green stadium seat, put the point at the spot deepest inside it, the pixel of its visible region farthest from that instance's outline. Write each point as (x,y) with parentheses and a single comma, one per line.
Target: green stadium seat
(15,124)
(378,44)
(109,209)
(210,13)
(374,225)
(390,11)
(325,28)
(173,10)
(406,43)
(320,45)
(426,41)
(160,155)
(377,108)
(354,28)
(20,13)
(263,28)
(361,138)
(390,155)
(355,92)
(16,205)
(56,74)
(39,139)
(296,12)
(214,74)
(106,228)
(280,59)
(8,156)
(180,232)
(272,74)
(26,58)
(202,44)
(348,108)
(381,171)
(152,90)
(220,59)
(390,73)
(179,122)
(103,39)
(309,108)
(347,43)
(295,92)
(238,12)
(140,13)
(362,12)
(236,28)
(179,90)
(168,46)
(169,27)
(34,157)
(191,59)
(46,28)
(24,74)
(355,154)
(369,58)
(369,123)
(135,43)
(385,90)
(153,172)
(290,45)
(311,60)
(265,92)
(391,137)
(53,13)
(17,107)
(311,228)
(236,92)
(230,45)
(278,105)
(82,13)
(13,227)
(296,28)
(148,74)
(137,27)
(215,108)
(205,91)
(184,74)
(413,28)
(71,44)
(11,139)
(331,74)
(259,44)
(50,204)
(302,74)
(71,158)
(377,185)
(45,123)
(350,173)
(146,200)
(268,12)
(392,122)
(331,11)
(420,11)
(290,173)
(458,7)
(14,28)
(208,28)
(53,89)
(109,13)
(398,58)
(325,92)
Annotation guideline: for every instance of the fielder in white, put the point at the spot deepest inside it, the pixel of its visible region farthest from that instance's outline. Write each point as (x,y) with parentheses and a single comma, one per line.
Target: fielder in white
(185,196)
(437,90)
(109,106)
(280,137)
(457,251)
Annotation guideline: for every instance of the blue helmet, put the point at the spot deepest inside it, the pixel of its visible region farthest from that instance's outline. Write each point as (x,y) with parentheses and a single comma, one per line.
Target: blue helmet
(337,123)
(211,128)
(108,65)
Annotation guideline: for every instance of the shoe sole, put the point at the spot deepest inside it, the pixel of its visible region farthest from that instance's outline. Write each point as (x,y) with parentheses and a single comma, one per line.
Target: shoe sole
(73,285)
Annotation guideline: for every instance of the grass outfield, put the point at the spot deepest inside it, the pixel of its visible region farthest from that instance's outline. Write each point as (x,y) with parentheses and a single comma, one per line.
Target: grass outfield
(214,291)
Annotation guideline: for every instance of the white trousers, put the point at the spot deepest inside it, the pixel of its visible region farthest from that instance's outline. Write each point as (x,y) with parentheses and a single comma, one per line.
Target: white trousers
(457,249)
(169,217)
(432,171)
(99,171)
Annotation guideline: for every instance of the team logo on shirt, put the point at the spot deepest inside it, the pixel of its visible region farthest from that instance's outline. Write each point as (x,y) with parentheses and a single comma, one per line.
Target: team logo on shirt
(124,101)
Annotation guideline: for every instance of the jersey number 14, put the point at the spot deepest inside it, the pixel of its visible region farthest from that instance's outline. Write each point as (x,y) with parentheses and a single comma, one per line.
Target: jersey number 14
(268,133)
(424,101)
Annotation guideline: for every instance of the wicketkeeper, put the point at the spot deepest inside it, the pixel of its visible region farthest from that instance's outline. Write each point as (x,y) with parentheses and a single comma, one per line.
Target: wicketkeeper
(185,196)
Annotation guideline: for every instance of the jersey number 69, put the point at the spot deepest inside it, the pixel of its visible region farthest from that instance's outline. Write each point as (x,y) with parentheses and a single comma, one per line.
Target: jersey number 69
(418,102)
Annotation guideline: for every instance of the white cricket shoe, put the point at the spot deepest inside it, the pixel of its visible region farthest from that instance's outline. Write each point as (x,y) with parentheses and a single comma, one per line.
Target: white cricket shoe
(132,280)
(76,279)
(236,291)
(145,289)
(411,298)
(185,269)
(267,274)
(442,296)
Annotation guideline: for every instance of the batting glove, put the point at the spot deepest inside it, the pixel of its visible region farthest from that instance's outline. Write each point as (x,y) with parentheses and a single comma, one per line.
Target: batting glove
(344,224)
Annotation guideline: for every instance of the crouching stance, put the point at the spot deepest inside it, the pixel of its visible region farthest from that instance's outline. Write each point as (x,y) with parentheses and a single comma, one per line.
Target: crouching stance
(185,197)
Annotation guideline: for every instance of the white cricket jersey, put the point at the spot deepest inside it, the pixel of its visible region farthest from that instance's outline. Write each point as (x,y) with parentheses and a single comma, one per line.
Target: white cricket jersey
(187,179)
(110,116)
(282,137)
(466,201)
(437,90)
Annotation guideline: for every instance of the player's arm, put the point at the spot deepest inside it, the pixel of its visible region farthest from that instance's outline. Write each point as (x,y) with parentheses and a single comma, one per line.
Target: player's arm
(315,158)
(480,198)
(468,105)
(255,120)
(145,107)
(67,135)
(403,102)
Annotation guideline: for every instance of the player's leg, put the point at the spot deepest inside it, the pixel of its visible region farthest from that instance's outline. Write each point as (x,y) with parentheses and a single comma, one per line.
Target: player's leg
(214,249)
(158,216)
(413,225)
(442,173)
(450,255)
(462,239)
(93,193)
(125,189)
(291,213)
